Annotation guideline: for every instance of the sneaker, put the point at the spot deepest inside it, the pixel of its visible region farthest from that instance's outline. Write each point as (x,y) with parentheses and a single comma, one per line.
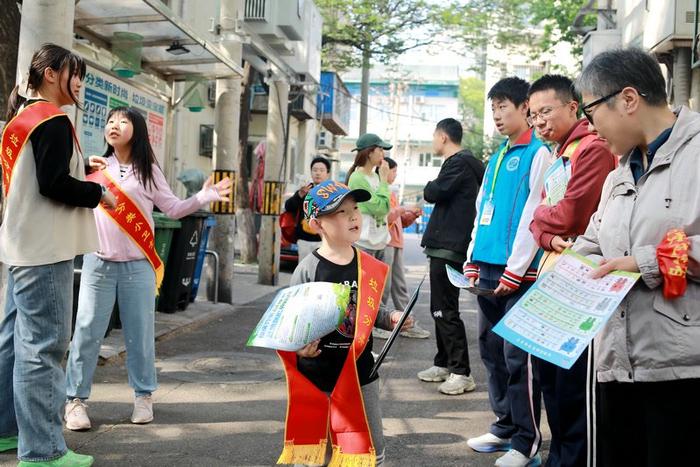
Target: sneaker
(143,410)
(76,415)
(515,458)
(69,459)
(8,443)
(434,374)
(488,443)
(457,384)
(415,332)
(380,333)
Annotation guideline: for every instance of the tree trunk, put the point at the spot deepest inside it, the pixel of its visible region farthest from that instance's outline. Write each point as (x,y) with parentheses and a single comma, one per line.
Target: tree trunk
(9,43)
(244,214)
(364,90)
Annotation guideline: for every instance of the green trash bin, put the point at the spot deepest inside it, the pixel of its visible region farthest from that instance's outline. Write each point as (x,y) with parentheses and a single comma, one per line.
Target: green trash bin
(164,229)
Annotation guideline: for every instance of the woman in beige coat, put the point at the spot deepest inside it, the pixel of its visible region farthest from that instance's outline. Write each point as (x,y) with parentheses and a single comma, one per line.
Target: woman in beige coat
(648,355)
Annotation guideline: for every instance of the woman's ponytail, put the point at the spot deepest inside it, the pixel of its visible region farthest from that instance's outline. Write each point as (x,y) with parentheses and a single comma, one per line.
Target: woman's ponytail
(14,102)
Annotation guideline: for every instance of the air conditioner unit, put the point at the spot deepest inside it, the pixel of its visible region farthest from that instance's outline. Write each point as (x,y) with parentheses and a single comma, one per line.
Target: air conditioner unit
(668,21)
(275,19)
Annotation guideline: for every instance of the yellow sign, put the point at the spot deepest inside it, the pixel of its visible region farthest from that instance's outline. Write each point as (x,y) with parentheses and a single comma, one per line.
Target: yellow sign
(219,207)
(272,198)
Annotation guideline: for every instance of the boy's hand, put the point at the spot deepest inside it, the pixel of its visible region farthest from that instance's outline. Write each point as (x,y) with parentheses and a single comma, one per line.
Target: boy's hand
(310,350)
(396,316)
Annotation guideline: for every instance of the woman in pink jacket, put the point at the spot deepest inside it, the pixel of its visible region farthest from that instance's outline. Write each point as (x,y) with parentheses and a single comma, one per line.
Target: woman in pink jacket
(124,268)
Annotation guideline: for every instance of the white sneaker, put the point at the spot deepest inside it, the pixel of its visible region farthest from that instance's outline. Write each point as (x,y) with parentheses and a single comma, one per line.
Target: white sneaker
(434,374)
(415,332)
(515,458)
(76,415)
(143,410)
(457,384)
(488,443)
(380,333)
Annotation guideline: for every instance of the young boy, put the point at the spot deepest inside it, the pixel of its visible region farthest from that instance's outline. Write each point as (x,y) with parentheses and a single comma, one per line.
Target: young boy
(503,256)
(338,366)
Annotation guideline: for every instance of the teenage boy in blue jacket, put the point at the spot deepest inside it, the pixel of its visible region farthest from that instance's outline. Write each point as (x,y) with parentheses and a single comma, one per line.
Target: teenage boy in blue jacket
(503,256)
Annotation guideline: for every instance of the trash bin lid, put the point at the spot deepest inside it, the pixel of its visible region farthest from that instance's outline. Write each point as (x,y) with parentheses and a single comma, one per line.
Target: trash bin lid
(164,222)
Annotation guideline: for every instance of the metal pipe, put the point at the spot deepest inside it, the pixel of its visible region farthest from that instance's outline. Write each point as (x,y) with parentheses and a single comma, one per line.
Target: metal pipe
(215,255)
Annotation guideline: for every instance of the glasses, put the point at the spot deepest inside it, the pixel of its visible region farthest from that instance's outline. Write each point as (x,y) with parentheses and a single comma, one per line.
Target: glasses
(589,115)
(545,114)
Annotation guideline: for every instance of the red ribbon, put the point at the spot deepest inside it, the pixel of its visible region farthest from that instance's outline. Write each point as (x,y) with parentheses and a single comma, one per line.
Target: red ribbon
(672,256)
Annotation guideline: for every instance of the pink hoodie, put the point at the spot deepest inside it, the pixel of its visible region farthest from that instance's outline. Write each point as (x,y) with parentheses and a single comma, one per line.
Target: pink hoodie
(115,245)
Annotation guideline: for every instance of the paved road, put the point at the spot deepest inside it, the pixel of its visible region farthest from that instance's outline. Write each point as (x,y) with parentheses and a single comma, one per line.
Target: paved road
(222,404)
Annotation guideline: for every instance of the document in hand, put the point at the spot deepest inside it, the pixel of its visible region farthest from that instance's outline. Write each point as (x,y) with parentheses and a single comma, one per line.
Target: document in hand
(458,280)
(563,311)
(301,314)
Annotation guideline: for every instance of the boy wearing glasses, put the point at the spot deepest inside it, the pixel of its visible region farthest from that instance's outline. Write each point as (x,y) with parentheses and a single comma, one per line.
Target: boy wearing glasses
(503,256)
(572,189)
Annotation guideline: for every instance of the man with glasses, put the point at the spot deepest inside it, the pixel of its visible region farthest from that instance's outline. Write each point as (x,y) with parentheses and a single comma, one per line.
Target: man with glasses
(647,355)
(572,188)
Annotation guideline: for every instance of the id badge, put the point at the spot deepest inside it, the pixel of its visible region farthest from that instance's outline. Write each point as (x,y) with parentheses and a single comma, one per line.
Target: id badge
(487,213)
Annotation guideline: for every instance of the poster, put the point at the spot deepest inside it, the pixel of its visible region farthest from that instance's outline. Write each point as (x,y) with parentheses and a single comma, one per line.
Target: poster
(561,313)
(100,93)
(301,314)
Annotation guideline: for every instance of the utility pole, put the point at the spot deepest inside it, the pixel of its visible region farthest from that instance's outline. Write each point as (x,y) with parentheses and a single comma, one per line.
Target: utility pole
(407,147)
(276,135)
(225,155)
(364,90)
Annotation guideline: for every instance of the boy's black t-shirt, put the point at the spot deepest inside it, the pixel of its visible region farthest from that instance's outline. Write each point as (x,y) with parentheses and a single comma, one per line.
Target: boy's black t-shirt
(325,369)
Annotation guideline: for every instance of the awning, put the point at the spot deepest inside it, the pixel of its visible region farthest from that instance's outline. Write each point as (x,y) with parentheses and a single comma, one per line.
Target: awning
(98,20)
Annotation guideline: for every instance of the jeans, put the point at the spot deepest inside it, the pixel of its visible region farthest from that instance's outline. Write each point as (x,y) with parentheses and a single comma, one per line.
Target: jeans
(132,283)
(34,337)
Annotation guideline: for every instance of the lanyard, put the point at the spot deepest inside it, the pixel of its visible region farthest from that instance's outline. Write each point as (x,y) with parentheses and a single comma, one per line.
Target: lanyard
(501,156)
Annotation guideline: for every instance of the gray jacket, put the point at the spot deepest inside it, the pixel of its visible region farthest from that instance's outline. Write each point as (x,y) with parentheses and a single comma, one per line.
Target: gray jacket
(650,338)
(306,272)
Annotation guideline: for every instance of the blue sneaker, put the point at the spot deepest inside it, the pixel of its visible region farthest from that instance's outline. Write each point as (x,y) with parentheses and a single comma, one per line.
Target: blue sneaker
(488,443)
(515,458)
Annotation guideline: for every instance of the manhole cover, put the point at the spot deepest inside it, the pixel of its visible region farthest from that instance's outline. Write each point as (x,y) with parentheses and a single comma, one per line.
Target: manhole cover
(234,367)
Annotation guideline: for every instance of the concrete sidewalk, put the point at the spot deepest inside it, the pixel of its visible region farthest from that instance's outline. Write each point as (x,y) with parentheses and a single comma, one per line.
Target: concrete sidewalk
(223,404)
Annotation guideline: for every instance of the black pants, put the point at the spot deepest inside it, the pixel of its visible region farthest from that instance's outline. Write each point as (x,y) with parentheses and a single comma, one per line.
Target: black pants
(649,424)
(514,391)
(564,394)
(451,337)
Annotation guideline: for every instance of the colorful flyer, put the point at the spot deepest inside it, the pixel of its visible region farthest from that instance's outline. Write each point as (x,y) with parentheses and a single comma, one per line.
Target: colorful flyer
(301,314)
(563,311)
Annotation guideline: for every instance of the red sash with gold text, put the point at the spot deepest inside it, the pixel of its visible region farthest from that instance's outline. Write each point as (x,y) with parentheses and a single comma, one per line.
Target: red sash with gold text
(132,221)
(16,134)
(311,413)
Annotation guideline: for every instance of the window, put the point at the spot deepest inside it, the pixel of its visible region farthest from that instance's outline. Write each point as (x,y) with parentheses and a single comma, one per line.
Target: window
(206,140)
(437,161)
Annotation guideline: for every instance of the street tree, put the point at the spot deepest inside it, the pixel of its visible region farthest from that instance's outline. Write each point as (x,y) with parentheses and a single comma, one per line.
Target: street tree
(358,32)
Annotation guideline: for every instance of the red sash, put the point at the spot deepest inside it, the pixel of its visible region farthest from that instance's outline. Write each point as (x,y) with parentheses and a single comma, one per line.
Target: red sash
(16,134)
(131,220)
(311,413)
